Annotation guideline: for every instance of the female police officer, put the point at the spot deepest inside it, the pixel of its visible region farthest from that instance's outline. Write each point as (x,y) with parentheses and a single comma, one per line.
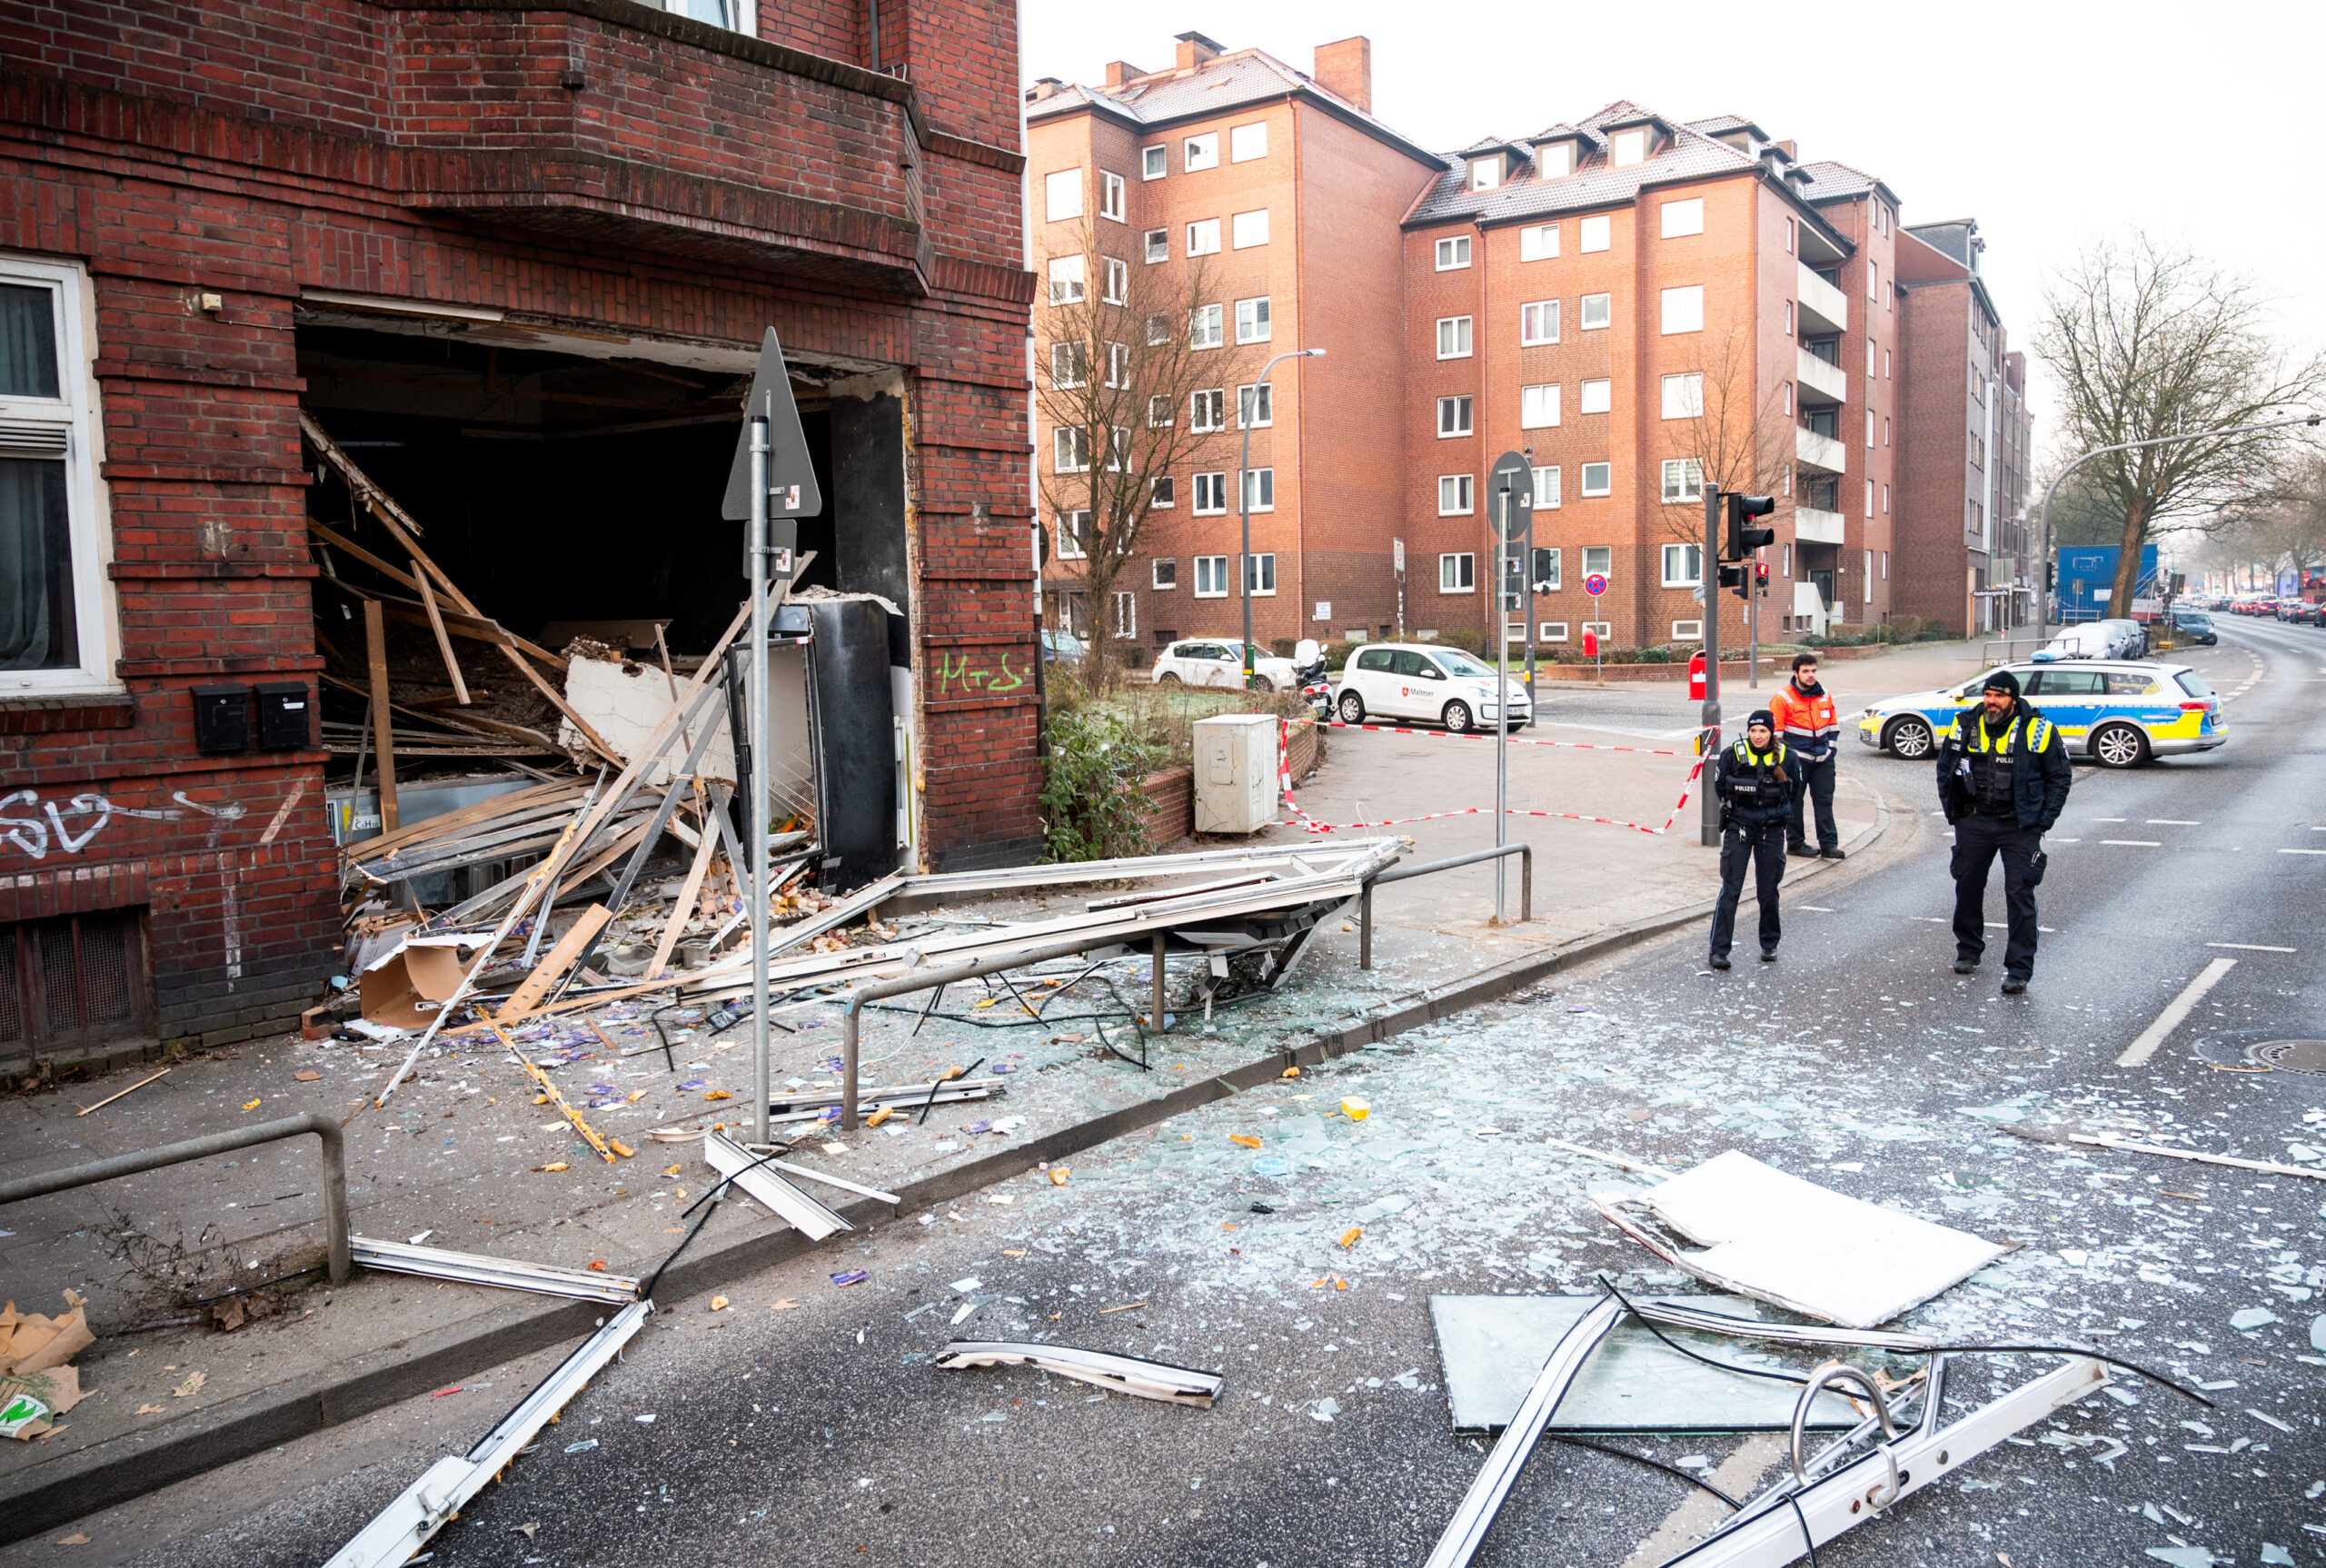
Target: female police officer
(1757,781)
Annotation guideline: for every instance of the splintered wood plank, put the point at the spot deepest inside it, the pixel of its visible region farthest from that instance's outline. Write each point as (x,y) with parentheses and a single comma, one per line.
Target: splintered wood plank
(683,909)
(375,647)
(577,937)
(443,639)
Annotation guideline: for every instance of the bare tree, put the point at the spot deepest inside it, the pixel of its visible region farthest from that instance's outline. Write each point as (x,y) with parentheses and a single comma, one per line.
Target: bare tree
(1139,368)
(2148,341)
(1738,438)
(2282,528)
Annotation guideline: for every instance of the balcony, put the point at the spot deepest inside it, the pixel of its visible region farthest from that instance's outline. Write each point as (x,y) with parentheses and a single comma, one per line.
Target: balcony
(1822,453)
(1812,526)
(1820,383)
(1823,307)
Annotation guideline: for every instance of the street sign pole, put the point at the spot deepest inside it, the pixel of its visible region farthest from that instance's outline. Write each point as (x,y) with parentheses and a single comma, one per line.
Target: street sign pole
(1509,470)
(758,726)
(1708,717)
(1752,623)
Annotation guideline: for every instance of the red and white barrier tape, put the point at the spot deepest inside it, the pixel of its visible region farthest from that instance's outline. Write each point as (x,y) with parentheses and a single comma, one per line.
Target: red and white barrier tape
(1484,735)
(1284,781)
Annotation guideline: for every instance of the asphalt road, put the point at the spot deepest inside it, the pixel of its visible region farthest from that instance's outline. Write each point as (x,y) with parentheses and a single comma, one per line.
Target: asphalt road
(817,1434)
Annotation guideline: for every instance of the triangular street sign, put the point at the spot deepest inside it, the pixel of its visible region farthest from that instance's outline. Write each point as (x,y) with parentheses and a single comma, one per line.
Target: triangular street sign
(790,472)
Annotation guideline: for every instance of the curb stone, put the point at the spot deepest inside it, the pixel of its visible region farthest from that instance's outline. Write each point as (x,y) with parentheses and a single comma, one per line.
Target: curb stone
(83,1482)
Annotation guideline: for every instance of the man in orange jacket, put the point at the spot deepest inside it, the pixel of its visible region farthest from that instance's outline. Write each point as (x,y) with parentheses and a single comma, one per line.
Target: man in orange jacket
(1811,730)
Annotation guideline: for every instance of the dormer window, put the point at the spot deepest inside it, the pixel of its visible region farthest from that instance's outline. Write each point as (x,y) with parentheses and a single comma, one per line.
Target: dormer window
(1626,148)
(1554,160)
(1485,174)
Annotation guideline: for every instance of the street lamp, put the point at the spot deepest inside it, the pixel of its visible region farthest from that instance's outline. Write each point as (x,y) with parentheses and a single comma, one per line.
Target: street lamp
(2044,619)
(1244,492)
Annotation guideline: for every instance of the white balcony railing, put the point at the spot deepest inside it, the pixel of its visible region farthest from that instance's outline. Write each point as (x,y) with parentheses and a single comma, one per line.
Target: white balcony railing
(1818,452)
(1823,307)
(1813,526)
(1820,383)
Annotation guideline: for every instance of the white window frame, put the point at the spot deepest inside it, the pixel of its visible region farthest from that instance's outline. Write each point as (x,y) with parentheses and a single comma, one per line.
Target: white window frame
(1154,161)
(1687,630)
(1538,406)
(1538,323)
(1163,575)
(1110,195)
(1254,321)
(1458,572)
(1538,243)
(1207,410)
(1607,485)
(1248,230)
(1260,492)
(1259,572)
(1211,485)
(1070,450)
(1200,152)
(1689,473)
(1683,309)
(1203,237)
(1681,218)
(1683,395)
(1062,194)
(1255,406)
(1159,411)
(1125,617)
(1869,498)
(1246,144)
(1212,569)
(1118,367)
(1550,632)
(1068,281)
(1868,599)
(1547,490)
(1595,394)
(1454,338)
(68,429)
(1626,148)
(1457,494)
(1162,494)
(1452,253)
(1159,245)
(1606,312)
(1485,174)
(1116,287)
(1070,366)
(1595,234)
(1788,318)
(1073,535)
(1454,417)
(1205,325)
(1600,558)
(1555,160)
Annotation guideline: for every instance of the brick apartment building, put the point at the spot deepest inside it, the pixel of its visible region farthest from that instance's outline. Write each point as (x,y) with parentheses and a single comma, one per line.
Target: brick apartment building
(523,253)
(1971,556)
(1629,298)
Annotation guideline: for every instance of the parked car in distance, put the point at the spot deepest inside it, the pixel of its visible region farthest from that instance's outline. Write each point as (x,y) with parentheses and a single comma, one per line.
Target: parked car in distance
(2194,626)
(1220,662)
(2117,712)
(1062,648)
(2127,640)
(2090,640)
(2303,612)
(1429,682)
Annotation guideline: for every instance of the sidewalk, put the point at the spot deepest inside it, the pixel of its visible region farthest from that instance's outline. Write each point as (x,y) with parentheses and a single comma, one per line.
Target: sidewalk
(457,1154)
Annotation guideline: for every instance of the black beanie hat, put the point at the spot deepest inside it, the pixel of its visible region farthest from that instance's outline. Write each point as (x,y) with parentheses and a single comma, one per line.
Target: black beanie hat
(2002,680)
(1762,716)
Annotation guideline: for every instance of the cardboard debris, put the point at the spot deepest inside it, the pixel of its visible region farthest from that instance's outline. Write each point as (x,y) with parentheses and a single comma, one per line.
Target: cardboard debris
(404,989)
(37,1380)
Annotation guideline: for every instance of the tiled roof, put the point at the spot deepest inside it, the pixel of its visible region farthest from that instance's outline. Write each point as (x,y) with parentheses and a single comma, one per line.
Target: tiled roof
(1560,133)
(1830,180)
(1594,183)
(1228,81)
(1723,124)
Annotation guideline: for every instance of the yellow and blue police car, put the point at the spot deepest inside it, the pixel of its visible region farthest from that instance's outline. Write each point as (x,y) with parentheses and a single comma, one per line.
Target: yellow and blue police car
(2117,712)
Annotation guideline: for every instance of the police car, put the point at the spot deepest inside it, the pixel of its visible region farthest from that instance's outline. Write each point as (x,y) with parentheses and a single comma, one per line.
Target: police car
(2118,712)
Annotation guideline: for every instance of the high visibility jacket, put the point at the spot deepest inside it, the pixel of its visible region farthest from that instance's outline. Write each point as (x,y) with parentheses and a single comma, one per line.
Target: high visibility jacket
(1759,787)
(1807,721)
(2029,754)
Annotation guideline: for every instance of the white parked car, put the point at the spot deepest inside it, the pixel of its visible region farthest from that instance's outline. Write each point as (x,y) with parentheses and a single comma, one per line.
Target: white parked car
(1410,681)
(1220,662)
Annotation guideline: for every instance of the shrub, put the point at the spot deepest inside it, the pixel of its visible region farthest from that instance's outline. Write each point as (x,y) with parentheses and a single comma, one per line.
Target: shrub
(1093,807)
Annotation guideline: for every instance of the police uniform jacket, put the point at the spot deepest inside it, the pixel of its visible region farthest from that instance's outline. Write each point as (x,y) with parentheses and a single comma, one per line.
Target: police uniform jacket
(1758,787)
(2039,763)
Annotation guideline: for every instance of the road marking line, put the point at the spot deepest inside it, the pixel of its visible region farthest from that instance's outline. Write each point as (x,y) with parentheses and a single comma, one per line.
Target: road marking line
(1815,909)
(2146,843)
(1694,1518)
(2170,1019)
(2250,947)
(2302,851)
(2067,840)
(2112,819)
(2169,822)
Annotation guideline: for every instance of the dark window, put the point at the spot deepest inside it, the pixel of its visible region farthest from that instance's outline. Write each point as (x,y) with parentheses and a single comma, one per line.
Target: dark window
(2064,683)
(74,979)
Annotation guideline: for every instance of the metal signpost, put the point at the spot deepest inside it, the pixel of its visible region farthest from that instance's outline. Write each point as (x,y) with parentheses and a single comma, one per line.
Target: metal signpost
(771,485)
(1594,584)
(1398,564)
(1708,716)
(1512,484)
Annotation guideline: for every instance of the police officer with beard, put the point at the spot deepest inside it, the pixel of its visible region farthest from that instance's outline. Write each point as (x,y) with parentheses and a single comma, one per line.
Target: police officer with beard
(2002,781)
(1757,781)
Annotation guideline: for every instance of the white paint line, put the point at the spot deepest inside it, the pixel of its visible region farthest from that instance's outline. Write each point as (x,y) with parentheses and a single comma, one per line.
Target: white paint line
(2250,947)
(2112,819)
(1694,1518)
(1814,908)
(2302,851)
(2067,840)
(2169,822)
(2170,1019)
(1934,919)
(2141,843)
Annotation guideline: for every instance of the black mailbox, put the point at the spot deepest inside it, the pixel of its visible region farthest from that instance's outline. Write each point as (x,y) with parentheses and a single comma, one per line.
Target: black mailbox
(222,718)
(282,715)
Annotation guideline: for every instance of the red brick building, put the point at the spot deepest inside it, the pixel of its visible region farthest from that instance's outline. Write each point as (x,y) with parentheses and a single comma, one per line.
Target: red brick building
(518,258)
(1629,299)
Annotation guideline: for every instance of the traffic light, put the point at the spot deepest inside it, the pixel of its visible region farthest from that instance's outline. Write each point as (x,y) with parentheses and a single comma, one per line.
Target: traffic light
(1733,578)
(1542,569)
(1761,580)
(1742,509)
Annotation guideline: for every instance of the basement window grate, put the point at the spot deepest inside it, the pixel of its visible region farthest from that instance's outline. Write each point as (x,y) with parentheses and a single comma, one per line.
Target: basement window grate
(73,980)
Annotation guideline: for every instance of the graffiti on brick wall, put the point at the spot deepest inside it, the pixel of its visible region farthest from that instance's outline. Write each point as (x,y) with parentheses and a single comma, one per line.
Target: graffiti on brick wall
(43,825)
(956,673)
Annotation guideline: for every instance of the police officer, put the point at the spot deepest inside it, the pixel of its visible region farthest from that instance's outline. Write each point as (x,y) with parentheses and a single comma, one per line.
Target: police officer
(2002,781)
(1757,781)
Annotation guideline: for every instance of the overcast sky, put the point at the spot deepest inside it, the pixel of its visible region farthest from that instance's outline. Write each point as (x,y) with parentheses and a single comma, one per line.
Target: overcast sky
(2050,124)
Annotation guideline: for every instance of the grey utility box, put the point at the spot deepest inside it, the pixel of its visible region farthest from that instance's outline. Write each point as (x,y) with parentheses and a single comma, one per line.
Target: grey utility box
(1236,773)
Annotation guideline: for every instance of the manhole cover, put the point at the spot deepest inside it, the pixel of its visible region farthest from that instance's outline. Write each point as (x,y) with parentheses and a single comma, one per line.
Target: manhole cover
(2292,1055)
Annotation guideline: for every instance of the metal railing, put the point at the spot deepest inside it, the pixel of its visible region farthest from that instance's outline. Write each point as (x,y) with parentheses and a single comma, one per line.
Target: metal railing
(1526,853)
(1987,654)
(316,1122)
